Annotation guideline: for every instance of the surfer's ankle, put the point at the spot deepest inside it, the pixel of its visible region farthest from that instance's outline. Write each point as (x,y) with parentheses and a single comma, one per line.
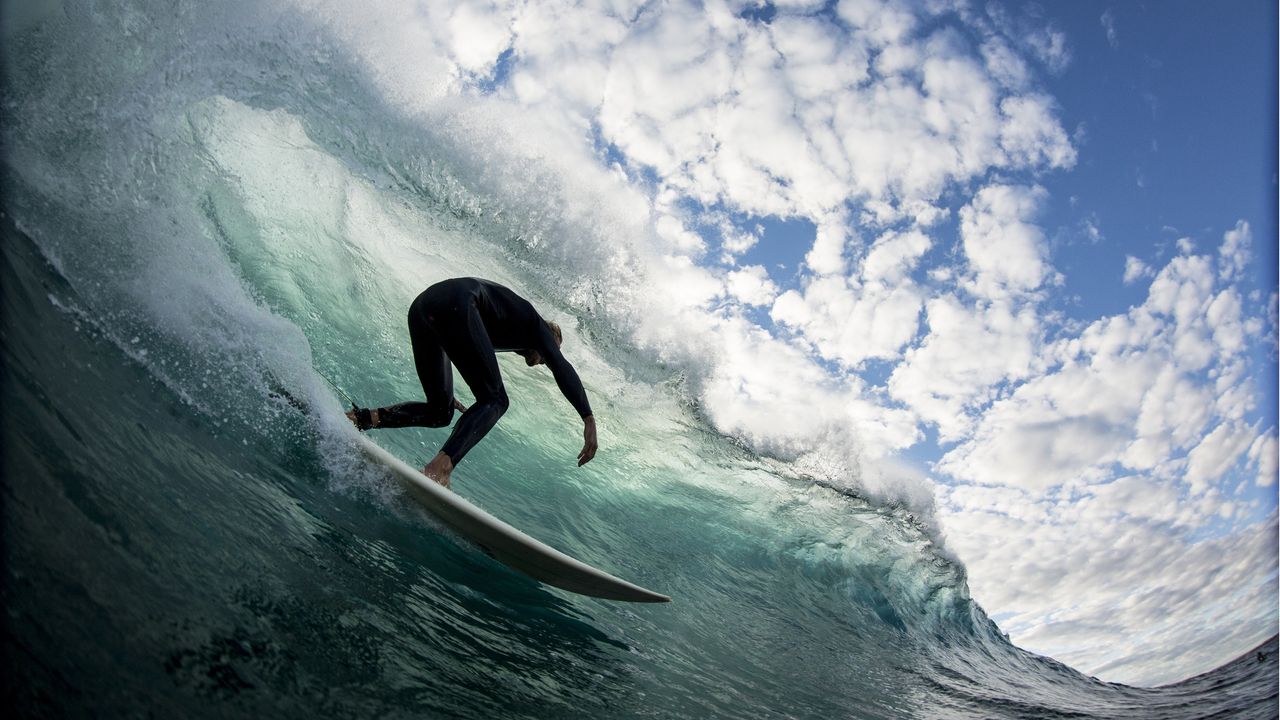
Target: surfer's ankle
(440,469)
(363,418)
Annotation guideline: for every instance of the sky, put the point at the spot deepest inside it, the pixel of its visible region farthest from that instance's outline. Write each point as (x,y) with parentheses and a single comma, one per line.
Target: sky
(1014,263)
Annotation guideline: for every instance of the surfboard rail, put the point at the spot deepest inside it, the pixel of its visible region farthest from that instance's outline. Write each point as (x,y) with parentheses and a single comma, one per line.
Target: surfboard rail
(506,544)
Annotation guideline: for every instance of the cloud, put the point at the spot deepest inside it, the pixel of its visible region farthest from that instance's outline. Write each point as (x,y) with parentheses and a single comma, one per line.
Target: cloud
(827,256)
(1030,136)
(1005,65)
(1125,452)
(1215,454)
(969,350)
(1108,21)
(1006,252)
(1234,253)
(1126,391)
(792,117)
(1263,454)
(872,314)
(1047,44)
(1126,596)
(1135,269)
(751,285)
(478,34)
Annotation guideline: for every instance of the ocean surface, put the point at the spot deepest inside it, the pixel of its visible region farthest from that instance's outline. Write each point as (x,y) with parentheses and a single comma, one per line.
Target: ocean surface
(205,208)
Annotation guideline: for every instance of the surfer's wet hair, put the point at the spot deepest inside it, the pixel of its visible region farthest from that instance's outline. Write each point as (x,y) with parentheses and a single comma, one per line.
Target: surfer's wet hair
(555,332)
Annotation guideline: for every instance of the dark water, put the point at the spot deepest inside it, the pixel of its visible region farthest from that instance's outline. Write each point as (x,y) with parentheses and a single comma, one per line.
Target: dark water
(200,206)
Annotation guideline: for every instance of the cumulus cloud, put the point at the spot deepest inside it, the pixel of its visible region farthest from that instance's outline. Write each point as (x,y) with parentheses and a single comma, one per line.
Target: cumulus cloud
(969,350)
(1135,269)
(1263,454)
(751,285)
(1122,444)
(1234,254)
(1006,251)
(793,117)
(1126,391)
(873,313)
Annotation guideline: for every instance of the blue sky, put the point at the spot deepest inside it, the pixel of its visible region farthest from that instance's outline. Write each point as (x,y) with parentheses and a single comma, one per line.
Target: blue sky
(1178,118)
(1011,263)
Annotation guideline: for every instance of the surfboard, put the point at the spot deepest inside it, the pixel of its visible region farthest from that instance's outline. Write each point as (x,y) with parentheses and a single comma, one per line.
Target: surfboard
(503,542)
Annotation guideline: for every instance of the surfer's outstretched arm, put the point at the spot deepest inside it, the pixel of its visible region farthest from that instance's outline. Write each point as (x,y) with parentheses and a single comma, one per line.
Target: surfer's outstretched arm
(571,386)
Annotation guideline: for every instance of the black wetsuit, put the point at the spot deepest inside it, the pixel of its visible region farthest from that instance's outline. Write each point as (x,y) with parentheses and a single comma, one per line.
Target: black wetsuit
(465,321)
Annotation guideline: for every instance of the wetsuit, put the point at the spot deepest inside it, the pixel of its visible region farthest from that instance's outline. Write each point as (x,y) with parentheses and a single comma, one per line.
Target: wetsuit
(465,321)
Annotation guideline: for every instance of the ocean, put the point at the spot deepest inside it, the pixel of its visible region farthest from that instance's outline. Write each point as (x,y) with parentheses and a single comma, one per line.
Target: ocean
(210,209)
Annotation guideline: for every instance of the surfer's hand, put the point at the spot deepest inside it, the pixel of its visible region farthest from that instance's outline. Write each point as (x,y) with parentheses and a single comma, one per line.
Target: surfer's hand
(588,440)
(458,404)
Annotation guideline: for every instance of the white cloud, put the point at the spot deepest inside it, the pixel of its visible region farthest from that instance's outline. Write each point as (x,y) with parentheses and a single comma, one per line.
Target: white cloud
(1124,596)
(849,321)
(872,314)
(478,34)
(884,22)
(785,118)
(1124,448)
(1263,454)
(1127,391)
(969,350)
(1007,253)
(817,60)
(679,238)
(1215,454)
(894,256)
(827,256)
(1234,253)
(1030,136)
(1135,269)
(751,285)
(1005,65)
(1050,46)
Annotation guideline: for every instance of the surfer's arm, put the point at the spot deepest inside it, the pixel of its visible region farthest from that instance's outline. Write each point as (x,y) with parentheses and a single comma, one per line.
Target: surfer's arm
(572,388)
(566,377)
(571,385)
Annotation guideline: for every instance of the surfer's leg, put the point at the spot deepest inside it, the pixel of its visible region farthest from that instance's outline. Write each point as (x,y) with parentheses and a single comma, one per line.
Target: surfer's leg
(472,353)
(434,373)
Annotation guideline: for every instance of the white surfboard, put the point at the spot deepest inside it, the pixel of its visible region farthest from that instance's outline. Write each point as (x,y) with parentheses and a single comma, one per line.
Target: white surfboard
(505,543)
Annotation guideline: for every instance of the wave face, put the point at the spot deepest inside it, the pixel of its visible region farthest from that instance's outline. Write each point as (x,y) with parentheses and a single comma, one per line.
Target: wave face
(203,206)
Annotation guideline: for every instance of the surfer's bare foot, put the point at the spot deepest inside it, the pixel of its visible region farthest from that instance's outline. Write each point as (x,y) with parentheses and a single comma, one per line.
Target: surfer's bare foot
(439,469)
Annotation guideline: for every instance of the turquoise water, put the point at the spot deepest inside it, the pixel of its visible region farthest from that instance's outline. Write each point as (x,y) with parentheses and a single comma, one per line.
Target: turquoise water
(204,206)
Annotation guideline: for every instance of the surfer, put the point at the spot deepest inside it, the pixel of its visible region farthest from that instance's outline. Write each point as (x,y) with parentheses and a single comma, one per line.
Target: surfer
(466,321)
